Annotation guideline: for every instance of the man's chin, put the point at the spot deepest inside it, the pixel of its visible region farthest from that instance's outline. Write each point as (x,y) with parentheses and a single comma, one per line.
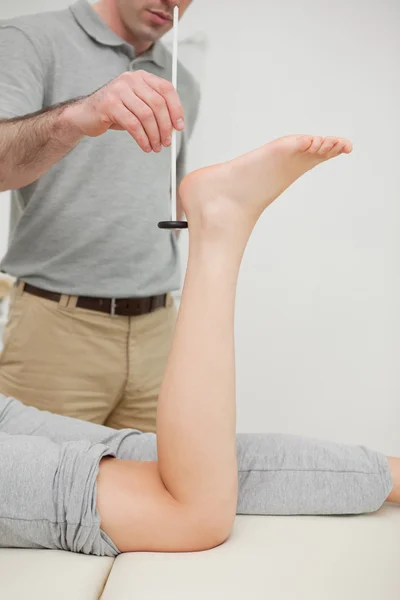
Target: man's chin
(152,34)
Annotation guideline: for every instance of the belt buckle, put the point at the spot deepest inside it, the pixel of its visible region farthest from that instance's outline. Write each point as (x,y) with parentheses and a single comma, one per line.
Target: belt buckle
(113,306)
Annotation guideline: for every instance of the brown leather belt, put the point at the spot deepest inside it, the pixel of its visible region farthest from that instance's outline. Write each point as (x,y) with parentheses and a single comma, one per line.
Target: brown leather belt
(127,307)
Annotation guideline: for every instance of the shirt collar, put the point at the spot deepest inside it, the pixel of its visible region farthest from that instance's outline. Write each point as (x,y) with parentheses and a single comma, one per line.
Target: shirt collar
(95,28)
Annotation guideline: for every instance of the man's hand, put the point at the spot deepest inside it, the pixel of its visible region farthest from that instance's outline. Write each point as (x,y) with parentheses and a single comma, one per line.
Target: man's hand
(141,103)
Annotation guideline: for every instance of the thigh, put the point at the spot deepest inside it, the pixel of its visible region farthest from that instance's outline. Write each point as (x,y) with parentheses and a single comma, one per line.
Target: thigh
(47,495)
(128,444)
(67,361)
(149,345)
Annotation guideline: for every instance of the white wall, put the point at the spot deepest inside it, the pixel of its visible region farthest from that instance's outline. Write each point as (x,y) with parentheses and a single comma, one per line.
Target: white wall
(317,315)
(317,324)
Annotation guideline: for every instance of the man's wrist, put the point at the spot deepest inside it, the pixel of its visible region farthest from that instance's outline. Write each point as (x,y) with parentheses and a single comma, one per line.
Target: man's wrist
(67,123)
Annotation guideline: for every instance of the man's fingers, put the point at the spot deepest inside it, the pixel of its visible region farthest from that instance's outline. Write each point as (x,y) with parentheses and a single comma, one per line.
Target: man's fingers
(146,116)
(146,106)
(159,107)
(122,117)
(170,95)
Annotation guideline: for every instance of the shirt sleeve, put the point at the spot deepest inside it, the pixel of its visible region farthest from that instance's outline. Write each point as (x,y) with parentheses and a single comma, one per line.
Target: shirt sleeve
(21,74)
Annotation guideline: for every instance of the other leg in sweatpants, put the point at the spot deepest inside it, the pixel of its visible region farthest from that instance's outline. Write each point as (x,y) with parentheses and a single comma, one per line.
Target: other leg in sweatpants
(279,474)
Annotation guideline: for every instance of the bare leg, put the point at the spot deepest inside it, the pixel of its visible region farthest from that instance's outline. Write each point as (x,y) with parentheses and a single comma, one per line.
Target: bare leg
(187,501)
(394,464)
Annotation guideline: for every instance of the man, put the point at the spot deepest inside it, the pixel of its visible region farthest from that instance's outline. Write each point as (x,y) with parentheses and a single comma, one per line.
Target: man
(87,112)
(104,492)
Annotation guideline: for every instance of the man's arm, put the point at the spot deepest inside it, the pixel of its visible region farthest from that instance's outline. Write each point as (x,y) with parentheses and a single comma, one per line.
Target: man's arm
(146,106)
(30,145)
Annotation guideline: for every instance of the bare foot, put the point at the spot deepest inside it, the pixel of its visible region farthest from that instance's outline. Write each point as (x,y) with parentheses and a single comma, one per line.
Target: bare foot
(243,188)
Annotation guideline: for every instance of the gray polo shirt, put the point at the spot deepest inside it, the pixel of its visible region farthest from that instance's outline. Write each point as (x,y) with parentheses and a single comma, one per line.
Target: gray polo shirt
(89,225)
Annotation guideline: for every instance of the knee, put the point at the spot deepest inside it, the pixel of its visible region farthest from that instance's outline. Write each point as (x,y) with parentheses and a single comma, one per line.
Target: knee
(211,527)
(217,533)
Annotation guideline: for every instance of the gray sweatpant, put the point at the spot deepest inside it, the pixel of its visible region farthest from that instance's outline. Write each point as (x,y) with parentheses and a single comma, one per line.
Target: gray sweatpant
(49,466)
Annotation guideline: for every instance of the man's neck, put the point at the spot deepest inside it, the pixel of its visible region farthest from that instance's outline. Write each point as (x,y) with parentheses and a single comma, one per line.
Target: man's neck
(108,12)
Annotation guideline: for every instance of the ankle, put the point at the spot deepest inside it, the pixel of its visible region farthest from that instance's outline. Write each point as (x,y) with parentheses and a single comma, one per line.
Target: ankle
(210,211)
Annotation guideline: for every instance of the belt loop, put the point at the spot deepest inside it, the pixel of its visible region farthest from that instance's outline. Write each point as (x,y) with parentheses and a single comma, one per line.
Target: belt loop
(19,288)
(63,302)
(72,302)
(68,302)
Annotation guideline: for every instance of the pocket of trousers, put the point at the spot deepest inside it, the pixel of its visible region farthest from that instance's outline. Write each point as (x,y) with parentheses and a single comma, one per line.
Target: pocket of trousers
(15,332)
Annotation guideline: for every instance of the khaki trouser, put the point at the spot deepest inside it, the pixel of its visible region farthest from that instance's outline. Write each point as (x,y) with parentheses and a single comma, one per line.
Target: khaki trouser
(86,364)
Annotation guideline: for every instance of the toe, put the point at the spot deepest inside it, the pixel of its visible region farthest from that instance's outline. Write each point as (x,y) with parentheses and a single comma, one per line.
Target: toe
(342,145)
(348,147)
(304,142)
(316,145)
(327,145)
